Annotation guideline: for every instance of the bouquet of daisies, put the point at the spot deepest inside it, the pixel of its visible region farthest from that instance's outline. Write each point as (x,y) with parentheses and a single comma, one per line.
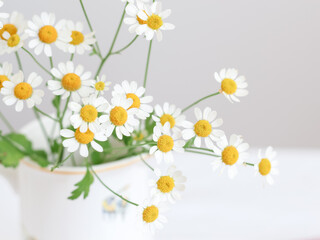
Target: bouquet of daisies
(98,129)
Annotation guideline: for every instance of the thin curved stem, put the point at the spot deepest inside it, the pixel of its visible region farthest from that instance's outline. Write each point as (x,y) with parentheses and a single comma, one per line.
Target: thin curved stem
(249,164)
(91,28)
(42,127)
(128,45)
(124,199)
(203,153)
(71,57)
(6,122)
(200,100)
(36,61)
(144,161)
(60,162)
(147,66)
(201,149)
(45,114)
(19,61)
(64,111)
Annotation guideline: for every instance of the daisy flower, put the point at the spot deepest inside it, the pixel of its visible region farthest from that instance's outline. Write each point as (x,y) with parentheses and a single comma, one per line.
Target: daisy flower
(204,128)
(45,33)
(231,154)
(2,15)
(12,34)
(140,103)
(232,85)
(153,17)
(76,139)
(267,166)
(150,216)
(80,42)
(119,117)
(5,73)
(101,85)
(169,113)
(17,91)
(85,115)
(133,20)
(168,186)
(166,143)
(72,81)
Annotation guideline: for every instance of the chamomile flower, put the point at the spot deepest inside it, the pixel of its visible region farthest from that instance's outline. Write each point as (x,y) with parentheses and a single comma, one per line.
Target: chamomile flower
(12,34)
(266,167)
(72,81)
(232,85)
(231,154)
(119,117)
(153,17)
(2,15)
(45,33)
(132,91)
(5,73)
(204,128)
(150,216)
(17,91)
(169,113)
(80,42)
(76,139)
(101,85)
(133,20)
(168,185)
(85,115)
(166,143)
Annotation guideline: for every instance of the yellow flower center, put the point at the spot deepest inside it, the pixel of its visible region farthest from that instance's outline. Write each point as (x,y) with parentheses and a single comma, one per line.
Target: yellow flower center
(10,28)
(140,21)
(89,113)
(167,118)
(118,116)
(77,38)
(136,100)
(230,155)
(264,166)
(3,78)
(14,40)
(99,86)
(228,86)
(165,143)
(165,184)
(84,138)
(150,214)
(23,91)
(203,128)
(138,137)
(154,22)
(71,82)
(48,34)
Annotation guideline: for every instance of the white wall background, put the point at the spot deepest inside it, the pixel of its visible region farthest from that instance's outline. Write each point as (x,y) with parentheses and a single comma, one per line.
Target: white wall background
(274,43)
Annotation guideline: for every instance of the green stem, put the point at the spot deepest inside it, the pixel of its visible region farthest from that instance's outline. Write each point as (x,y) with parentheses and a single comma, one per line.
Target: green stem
(42,127)
(5,120)
(112,44)
(144,161)
(71,57)
(64,111)
(90,26)
(45,114)
(147,66)
(36,61)
(249,164)
(19,61)
(124,199)
(51,62)
(208,154)
(128,45)
(60,162)
(202,149)
(200,100)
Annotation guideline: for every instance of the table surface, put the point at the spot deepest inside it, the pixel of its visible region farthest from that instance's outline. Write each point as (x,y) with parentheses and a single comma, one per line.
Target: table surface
(215,207)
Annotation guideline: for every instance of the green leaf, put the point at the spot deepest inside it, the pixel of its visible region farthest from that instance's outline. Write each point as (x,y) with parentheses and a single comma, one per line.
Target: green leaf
(21,140)
(40,157)
(83,187)
(9,155)
(56,102)
(55,146)
(190,143)
(150,124)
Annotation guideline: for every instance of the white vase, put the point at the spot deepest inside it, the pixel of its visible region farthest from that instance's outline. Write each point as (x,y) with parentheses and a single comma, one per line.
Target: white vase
(48,214)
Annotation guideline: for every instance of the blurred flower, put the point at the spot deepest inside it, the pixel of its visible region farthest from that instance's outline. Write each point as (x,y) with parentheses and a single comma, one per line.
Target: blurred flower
(2,15)
(232,154)
(204,128)
(45,33)
(76,139)
(71,80)
(134,21)
(266,167)
(140,103)
(17,91)
(166,143)
(232,85)
(5,73)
